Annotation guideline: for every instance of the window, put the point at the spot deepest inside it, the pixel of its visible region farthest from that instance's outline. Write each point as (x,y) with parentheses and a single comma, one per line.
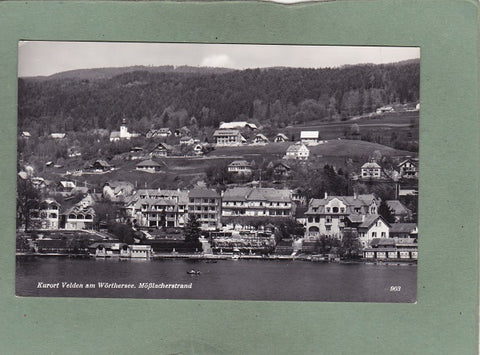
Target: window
(383,235)
(374,234)
(328,209)
(328,219)
(335,209)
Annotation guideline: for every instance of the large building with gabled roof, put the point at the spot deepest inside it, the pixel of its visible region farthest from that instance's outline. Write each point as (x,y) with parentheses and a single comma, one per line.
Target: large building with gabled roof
(257,202)
(327,216)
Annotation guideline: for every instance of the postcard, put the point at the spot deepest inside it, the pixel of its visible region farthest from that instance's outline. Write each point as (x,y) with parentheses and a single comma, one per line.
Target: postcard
(218,171)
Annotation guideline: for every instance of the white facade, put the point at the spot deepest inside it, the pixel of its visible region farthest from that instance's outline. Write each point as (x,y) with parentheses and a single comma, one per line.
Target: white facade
(309,137)
(298,151)
(379,229)
(371,171)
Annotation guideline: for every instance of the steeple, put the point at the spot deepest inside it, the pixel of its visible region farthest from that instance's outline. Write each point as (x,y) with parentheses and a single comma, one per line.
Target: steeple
(123,129)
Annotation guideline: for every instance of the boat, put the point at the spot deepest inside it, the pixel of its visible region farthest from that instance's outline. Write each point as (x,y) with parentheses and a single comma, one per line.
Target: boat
(193,272)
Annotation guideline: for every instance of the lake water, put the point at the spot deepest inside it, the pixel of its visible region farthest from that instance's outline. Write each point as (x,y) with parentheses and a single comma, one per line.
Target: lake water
(224,280)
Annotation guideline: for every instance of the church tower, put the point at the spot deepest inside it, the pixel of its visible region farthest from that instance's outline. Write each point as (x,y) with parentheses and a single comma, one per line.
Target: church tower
(124,130)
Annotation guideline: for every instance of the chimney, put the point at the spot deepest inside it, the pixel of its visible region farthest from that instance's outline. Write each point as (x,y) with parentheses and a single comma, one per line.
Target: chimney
(326,195)
(355,195)
(363,218)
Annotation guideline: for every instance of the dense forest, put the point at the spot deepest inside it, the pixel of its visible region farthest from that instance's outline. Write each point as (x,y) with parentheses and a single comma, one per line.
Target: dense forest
(166,97)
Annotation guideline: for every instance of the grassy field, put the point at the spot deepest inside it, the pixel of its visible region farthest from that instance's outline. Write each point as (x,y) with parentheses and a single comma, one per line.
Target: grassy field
(334,148)
(401,123)
(181,172)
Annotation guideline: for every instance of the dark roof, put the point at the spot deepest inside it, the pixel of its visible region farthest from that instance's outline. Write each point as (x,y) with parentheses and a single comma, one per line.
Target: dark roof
(397,207)
(226,132)
(300,211)
(257,194)
(383,242)
(239,163)
(102,163)
(403,227)
(287,167)
(371,219)
(201,192)
(148,162)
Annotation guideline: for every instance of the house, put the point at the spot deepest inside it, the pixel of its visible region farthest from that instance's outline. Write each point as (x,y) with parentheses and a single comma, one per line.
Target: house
(137,251)
(327,216)
(198,149)
(116,136)
(228,137)
(25,135)
(136,153)
(371,170)
(369,226)
(78,217)
(237,125)
(161,150)
(257,202)
(260,139)
(117,191)
(158,133)
(101,165)
(242,167)
(38,182)
(206,206)
(148,166)
(73,152)
(309,137)
(164,132)
(282,170)
(57,135)
(46,216)
(186,140)
(280,138)
(66,186)
(384,109)
(298,151)
(409,168)
(399,210)
(404,230)
(182,132)
(158,208)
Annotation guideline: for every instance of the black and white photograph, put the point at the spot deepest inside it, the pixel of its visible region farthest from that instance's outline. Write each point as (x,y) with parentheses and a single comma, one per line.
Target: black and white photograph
(217,171)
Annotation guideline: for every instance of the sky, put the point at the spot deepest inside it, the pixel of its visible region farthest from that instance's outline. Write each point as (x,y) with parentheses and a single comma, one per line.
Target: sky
(49,57)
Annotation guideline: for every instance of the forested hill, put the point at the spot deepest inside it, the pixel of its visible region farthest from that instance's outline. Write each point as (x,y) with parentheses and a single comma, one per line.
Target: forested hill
(174,98)
(107,73)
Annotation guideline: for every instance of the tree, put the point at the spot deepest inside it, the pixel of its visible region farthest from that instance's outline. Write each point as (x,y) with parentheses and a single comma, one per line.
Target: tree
(122,231)
(386,212)
(350,245)
(28,198)
(192,229)
(327,244)
(290,228)
(354,129)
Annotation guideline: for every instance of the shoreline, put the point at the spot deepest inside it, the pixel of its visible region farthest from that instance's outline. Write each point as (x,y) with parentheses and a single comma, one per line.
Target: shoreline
(216,257)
